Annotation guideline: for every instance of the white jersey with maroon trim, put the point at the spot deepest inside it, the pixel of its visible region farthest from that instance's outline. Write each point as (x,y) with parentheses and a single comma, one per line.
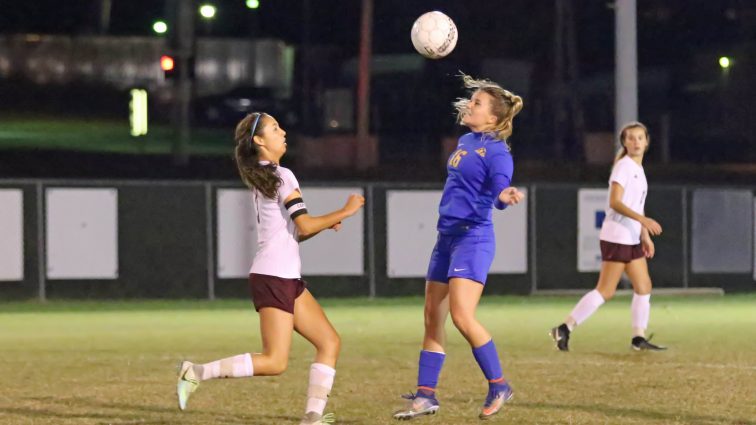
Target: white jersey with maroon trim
(277,239)
(618,228)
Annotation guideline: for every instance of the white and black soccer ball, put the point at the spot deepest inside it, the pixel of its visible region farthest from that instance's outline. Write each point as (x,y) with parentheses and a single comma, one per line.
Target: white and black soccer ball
(434,35)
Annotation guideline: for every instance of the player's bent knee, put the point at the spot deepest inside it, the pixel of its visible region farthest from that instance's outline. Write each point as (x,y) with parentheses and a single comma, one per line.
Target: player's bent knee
(269,366)
(463,322)
(334,345)
(330,346)
(606,294)
(277,365)
(643,289)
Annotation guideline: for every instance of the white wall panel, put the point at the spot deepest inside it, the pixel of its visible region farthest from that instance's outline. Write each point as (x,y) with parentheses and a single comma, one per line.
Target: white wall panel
(11,234)
(411,231)
(722,231)
(591,211)
(511,228)
(327,254)
(82,233)
(412,216)
(236,233)
(334,253)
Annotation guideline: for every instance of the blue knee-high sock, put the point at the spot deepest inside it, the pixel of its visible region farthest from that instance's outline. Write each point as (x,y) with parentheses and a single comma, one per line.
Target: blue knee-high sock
(488,360)
(429,368)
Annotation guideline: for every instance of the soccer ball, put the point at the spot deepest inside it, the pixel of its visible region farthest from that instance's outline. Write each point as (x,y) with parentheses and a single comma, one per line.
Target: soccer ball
(434,35)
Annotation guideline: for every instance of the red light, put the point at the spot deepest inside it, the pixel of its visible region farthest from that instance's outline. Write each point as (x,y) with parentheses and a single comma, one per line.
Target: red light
(166,62)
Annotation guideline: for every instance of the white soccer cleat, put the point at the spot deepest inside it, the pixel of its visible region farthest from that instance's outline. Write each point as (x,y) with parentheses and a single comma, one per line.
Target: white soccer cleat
(312,418)
(187,383)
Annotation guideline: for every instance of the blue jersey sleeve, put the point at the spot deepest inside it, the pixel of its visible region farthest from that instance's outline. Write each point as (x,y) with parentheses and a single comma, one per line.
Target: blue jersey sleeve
(500,170)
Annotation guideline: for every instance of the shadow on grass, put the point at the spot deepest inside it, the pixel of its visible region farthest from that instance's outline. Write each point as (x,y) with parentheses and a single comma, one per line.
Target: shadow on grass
(640,413)
(137,410)
(47,415)
(639,357)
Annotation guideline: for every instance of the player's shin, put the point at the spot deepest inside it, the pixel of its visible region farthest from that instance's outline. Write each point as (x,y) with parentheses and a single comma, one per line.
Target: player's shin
(321,382)
(239,366)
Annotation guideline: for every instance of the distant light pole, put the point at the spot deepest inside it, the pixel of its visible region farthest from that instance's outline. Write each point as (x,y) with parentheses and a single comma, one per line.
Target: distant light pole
(182,41)
(626,64)
(725,63)
(253,4)
(363,78)
(208,11)
(105,8)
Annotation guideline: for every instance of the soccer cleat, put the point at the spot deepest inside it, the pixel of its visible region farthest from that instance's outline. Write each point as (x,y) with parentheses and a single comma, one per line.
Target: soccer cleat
(561,335)
(497,396)
(313,418)
(187,383)
(642,344)
(417,405)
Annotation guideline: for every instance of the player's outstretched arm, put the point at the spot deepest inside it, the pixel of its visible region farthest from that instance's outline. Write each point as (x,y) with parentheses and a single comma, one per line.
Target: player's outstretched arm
(511,196)
(309,226)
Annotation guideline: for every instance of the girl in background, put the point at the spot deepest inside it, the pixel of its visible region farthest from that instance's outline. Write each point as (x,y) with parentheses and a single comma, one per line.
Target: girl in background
(625,241)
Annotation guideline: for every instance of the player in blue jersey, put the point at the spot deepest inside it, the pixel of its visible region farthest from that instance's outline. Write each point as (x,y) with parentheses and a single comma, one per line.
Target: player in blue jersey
(479,177)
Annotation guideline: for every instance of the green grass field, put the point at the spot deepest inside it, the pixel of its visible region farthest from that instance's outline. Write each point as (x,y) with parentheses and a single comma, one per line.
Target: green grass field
(109,136)
(114,363)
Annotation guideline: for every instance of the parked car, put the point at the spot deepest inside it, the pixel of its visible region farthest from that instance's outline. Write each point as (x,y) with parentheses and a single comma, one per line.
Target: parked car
(228,108)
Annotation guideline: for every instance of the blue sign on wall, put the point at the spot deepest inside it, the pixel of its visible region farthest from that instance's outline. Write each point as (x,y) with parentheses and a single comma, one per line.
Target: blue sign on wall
(600,218)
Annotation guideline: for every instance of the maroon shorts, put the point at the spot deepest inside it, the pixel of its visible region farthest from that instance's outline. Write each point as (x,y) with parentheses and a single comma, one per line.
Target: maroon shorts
(273,291)
(611,251)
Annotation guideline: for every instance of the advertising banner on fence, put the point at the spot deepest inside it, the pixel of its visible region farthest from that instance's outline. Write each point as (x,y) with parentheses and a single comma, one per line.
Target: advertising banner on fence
(591,211)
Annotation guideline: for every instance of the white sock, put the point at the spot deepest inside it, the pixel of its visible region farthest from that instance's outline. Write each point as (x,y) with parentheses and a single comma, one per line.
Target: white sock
(321,382)
(640,310)
(239,366)
(587,306)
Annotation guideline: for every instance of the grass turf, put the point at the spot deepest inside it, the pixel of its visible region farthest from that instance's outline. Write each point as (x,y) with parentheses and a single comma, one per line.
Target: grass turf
(109,136)
(113,363)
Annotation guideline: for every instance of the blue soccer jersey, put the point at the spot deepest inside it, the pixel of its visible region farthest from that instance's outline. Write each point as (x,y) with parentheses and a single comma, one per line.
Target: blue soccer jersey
(478,170)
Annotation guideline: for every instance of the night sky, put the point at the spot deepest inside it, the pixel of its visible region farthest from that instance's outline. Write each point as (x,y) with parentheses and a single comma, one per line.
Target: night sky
(708,109)
(669,31)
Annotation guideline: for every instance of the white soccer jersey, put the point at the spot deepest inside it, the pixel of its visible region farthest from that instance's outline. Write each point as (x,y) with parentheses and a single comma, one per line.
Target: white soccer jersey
(618,228)
(277,247)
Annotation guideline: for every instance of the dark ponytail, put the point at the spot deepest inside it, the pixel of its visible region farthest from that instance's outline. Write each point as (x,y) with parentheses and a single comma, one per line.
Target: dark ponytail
(247,155)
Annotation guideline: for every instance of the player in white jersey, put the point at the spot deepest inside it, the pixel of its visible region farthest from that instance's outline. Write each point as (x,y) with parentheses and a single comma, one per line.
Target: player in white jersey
(278,291)
(626,243)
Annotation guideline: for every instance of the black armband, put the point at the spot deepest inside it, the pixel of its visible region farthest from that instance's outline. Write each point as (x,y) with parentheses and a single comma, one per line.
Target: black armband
(296,207)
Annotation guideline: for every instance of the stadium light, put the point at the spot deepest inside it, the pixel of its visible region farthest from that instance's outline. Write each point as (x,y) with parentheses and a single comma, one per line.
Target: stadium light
(207,11)
(253,4)
(160,27)
(724,62)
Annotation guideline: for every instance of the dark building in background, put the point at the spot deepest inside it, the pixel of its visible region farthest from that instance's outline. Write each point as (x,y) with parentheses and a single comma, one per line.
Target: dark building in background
(299,57)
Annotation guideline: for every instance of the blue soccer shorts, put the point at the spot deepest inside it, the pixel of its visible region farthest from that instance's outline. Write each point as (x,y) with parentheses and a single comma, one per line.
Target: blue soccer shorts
(465,256)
